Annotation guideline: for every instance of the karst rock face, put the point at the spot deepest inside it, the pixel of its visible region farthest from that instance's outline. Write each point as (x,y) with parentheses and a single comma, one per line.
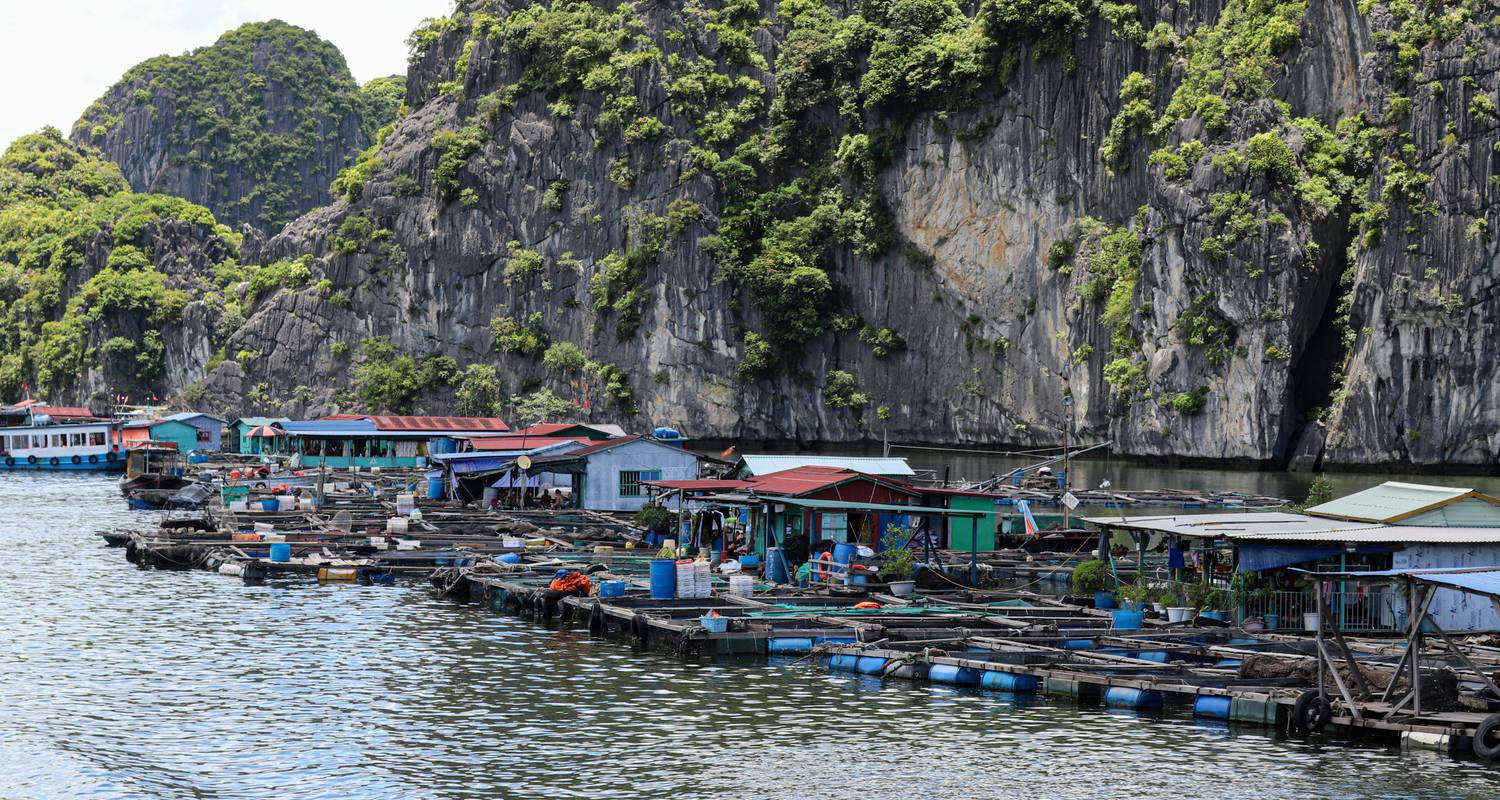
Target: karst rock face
(1227,230)
(253,127)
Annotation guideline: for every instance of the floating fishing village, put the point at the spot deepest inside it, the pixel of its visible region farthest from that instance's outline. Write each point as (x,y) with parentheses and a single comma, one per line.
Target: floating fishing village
(1369,617)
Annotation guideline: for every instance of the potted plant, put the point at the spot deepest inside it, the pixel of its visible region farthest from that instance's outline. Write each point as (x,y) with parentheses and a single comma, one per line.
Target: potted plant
(898,564)
(1094,576)
(1176,601)
(1136,595)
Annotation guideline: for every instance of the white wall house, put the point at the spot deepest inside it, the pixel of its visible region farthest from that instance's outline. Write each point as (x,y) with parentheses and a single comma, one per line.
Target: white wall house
(610,475)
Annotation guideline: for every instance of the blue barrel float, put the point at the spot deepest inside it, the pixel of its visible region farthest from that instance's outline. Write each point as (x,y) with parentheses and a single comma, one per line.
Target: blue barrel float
(1128,620)
(663,579)
(789,645)
(1208,706)
(508,558)
(612,589)
(844,663)
(434,488)
(948,673)
(1125,697)
(281,552)
(870,665)
(270,504)
(1008,681)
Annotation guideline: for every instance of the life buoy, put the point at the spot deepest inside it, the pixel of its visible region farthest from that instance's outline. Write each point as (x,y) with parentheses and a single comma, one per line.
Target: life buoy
(93,459)
(110,456)
(822,566)
(53,462)
(77,459)
(1486,740)
(1311,712)
(31,459)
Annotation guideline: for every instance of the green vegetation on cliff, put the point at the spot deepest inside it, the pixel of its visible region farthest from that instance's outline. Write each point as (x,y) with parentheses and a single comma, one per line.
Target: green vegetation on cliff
(86,280)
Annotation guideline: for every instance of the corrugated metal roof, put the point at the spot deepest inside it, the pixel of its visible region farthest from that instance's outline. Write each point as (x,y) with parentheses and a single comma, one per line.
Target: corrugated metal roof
(328,427)
(520,442)
(1286,527)
(803,502)
(870,465)
(438,424)
(764,464)
(256,422)
(70,412)
(1388,502)
(802,480)
(184,416)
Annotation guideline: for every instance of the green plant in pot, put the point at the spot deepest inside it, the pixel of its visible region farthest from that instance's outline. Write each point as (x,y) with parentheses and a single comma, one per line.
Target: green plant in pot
(1136,595)
(897,563)
(654,518)
(1093,576)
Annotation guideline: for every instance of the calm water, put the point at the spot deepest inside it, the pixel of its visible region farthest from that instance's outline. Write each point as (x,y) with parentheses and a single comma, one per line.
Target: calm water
(120,683)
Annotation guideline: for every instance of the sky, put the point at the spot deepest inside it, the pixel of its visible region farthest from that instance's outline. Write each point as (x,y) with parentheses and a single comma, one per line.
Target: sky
(60,56)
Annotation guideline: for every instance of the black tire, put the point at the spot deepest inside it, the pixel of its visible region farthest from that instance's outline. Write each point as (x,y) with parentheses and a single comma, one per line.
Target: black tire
(1311,712)
(54,461)
(10,461)
(77,459)
(596,619)
(1487,738)
(640,628)
(110,456)
(93,458)
(31,459)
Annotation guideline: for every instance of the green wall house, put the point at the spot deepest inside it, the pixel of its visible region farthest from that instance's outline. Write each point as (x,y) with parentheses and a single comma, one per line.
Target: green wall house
(240,443)
(972,533)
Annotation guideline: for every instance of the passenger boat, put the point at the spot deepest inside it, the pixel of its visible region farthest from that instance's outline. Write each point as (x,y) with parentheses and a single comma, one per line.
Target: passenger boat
(35,436)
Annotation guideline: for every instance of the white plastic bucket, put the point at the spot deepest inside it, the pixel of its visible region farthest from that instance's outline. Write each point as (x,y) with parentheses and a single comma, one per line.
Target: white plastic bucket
(1310,621)
(1180,614)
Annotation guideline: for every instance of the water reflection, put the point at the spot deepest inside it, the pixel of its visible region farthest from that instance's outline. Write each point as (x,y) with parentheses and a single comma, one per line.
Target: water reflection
(116,682)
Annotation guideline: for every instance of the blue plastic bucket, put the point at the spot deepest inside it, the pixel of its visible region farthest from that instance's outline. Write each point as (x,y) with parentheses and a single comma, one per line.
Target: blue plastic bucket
(1008,681)
(1124,697)
(715,624)
(270,504)
(612,588)
(281,552)
(1215,707)
(750,560)
(1273,621)
(1104,600)
(434,488)
(509,558)
(1128,620)
(776,566)
(663,579)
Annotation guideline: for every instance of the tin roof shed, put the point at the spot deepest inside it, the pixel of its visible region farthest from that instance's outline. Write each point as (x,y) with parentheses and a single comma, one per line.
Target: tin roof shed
(1398,503)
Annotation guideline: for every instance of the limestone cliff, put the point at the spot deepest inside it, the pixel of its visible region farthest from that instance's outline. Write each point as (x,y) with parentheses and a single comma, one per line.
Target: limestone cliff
(1222,230)
(254,127)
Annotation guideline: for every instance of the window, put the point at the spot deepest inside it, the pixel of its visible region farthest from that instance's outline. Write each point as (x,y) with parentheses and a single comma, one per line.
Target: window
(75,439)
(335,447)
(39,440)
(359,449)
(630,481)
(834,527)
(97,439)
(59,440)
(203,437)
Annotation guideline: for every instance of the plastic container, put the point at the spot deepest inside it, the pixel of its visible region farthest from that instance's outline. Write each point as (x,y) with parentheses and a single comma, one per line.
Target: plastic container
(1221,616)
(776,566)
(741,585)
(870,665)
(663,579)
(239,505)
(1124,697)
(843,552)
(748,561)
(281,552)
(1180,614)
(264,527)
(434,488)
(1128,620)
(1310,621)
(286,502)
(1104,600)
(1273,621)
(612,588)
(396,525)
(511,542)
(270,504)
(948,673)
(513,558)
(1213,707)
(1008,681)
(714,624)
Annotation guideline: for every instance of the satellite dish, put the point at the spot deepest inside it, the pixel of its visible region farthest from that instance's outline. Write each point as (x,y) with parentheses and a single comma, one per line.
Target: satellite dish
(524,462)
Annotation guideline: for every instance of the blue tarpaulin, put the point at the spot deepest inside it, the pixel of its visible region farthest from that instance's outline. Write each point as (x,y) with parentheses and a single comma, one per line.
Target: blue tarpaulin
(1261,557)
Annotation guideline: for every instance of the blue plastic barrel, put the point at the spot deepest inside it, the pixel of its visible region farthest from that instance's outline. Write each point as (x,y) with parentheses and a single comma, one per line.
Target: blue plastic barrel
(1273,621)
(870,665)
(612,588)
(843,552)
(776,566)
(663,579)
(434,488)
(843,663)
(270,504)
(509,558)
(789,645)
(1008,681)
(1124,697)
(948,673)
(1216,707)
(1128,620)
(1104,600)
(1160,656)
(1078,644)
(281,552)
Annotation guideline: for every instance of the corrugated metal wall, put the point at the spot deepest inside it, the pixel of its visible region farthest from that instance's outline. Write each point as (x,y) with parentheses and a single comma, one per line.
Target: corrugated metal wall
(1470,513)
(602,487)
(1453,610)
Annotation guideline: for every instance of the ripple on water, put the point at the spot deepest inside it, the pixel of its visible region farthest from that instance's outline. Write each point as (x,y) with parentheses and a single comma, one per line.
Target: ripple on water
(116,682)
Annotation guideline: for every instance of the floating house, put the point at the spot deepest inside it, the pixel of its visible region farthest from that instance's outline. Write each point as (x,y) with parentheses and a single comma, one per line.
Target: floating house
(615,474)
(239,439)
(467,475)
(1393,526)
(352,440)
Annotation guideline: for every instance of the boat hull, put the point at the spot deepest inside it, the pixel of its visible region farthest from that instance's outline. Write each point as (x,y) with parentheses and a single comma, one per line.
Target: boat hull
(63,465)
